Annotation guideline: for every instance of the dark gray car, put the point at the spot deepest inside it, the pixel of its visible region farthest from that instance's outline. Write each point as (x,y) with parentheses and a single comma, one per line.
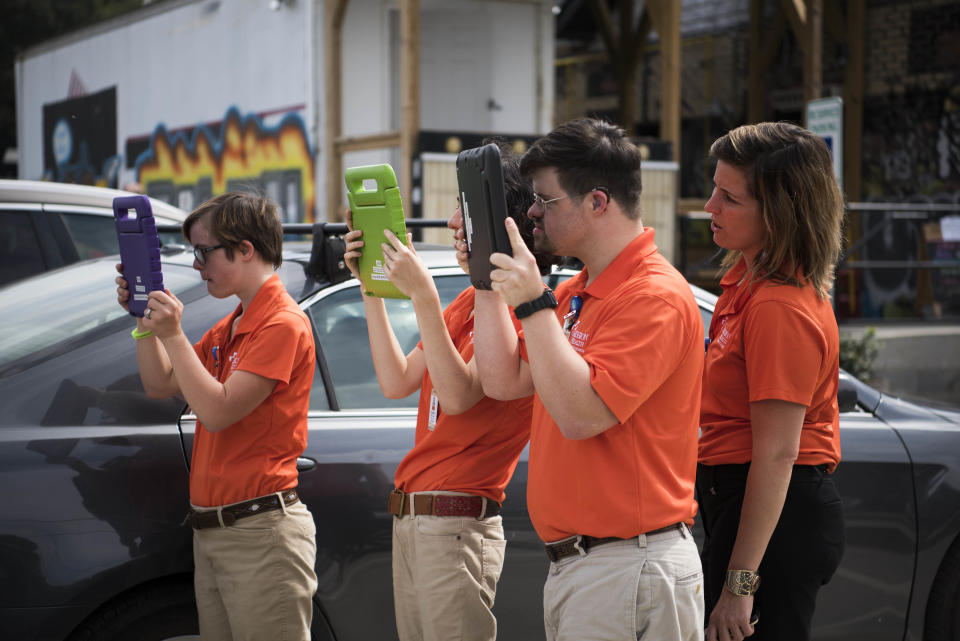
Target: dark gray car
(93,543)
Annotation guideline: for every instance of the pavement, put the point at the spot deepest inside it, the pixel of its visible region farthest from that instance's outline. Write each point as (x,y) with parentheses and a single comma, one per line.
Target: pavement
(916,361)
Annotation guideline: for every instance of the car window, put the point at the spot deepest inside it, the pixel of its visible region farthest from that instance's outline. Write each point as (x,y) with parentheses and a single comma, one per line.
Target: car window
(93,236)
(341,327)
(58,305)
(20,254)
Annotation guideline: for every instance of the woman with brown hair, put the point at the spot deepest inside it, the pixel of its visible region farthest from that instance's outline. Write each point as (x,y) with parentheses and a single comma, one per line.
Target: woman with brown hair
(769,416)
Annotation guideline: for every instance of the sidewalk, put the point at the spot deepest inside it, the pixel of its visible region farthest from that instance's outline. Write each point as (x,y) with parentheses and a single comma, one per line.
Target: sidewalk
(916,361)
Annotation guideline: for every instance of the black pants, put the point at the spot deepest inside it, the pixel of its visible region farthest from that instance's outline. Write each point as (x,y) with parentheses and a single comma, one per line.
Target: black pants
(802,555)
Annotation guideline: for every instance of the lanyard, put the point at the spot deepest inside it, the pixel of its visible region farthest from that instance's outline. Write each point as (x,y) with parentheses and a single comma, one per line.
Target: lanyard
(576,304)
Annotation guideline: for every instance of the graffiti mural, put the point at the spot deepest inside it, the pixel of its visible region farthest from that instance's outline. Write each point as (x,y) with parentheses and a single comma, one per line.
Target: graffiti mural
(189,166)
(80,139)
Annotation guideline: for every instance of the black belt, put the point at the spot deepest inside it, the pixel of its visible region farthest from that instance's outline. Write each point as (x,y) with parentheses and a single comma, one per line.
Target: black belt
(581,543)
(737,472)
(202,519)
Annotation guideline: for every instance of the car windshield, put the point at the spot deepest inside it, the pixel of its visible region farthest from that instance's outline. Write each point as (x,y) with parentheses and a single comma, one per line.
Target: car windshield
(42,311)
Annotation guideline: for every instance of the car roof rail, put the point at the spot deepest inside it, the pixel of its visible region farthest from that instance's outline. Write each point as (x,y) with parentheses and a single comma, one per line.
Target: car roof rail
(326,254)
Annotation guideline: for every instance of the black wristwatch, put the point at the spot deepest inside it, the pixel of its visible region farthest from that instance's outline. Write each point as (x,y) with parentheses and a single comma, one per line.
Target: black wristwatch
(546,300)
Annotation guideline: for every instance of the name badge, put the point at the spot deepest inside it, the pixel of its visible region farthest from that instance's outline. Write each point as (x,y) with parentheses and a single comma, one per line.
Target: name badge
(434,410)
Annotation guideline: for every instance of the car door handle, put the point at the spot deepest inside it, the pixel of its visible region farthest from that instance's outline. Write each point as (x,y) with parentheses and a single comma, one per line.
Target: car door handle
(305,464)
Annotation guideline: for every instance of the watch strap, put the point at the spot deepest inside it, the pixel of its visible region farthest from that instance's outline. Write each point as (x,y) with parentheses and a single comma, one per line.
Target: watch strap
(546,300)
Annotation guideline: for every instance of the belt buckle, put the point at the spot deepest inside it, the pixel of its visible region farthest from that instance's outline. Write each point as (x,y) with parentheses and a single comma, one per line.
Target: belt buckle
(578,545)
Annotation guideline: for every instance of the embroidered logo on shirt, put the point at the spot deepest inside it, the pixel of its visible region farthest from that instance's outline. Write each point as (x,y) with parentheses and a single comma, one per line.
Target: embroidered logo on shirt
(724,336)
(234,361)
(578,338)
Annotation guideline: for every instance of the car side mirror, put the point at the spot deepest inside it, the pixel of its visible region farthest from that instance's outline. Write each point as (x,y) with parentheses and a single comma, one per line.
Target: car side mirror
(847,394)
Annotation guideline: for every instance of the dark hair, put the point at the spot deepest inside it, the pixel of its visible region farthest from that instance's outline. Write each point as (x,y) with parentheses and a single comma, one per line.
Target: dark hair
(790,172)
(589,153)
(519,196)
(237,216)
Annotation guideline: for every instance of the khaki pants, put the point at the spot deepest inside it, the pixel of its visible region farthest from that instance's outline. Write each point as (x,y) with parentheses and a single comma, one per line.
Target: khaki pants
(649,588)
(255,579)
(445,572)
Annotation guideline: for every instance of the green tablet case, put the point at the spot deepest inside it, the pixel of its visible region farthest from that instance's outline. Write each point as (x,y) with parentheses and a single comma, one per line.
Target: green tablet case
(373,211)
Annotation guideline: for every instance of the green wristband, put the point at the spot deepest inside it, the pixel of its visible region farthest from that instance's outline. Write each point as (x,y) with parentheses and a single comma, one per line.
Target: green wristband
(138,335)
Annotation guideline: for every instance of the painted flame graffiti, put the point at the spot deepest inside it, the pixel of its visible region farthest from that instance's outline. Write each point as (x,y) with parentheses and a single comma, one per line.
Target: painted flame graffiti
(246,152)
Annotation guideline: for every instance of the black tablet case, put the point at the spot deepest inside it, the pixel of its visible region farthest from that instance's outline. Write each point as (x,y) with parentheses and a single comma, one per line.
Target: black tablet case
(484,207)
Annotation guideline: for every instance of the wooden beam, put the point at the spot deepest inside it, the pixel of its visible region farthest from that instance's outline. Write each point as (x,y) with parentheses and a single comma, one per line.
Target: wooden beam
(813,52)
(372,141)
(797,14)
(334,12)
(853,102)
(665,15)
(409,94)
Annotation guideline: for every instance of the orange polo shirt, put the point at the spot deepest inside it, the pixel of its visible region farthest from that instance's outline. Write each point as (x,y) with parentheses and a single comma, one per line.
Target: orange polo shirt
(640,331)
(476,451)
(770,341)
(257,455)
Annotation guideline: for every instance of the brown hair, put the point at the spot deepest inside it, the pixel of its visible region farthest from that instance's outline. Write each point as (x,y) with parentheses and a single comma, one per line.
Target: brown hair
(519,197)
(790,173)
(237,216)
(588,154)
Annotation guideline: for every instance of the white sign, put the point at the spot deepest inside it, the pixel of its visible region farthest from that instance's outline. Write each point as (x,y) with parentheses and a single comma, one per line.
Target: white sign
(825,118)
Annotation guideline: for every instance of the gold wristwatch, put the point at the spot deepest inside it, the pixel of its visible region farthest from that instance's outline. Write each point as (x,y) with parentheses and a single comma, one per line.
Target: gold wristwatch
(742,582)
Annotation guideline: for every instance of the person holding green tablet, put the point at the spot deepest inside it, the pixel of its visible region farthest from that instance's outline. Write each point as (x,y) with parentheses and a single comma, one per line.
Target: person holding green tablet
(448,542)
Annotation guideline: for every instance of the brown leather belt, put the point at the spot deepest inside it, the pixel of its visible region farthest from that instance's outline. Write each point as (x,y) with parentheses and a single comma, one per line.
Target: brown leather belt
(202,519)
(398,504)
(581,544)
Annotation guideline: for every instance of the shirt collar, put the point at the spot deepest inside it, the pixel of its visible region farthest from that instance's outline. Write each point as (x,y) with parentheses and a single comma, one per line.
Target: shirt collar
(620,268)
(734,283)
(264,301)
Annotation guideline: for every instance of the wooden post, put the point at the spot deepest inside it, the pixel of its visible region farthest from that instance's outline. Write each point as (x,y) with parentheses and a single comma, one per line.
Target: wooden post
(853,102)
(806,20)
(409,94)
(334,12)
(665,16)
(853,132)
(813,55)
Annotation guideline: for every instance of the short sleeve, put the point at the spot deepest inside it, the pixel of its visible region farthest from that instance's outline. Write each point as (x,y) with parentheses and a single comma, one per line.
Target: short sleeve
(784,350)
(274,350)
(634,349)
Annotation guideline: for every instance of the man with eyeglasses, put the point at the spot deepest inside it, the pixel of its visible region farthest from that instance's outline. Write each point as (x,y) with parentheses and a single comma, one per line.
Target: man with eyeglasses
(248,381)
(615,359)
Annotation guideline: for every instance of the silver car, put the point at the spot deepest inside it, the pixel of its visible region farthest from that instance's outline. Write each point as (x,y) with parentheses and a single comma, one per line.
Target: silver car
(45,225)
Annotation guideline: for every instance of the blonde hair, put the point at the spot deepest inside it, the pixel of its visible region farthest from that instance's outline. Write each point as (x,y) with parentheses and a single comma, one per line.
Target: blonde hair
(790,173)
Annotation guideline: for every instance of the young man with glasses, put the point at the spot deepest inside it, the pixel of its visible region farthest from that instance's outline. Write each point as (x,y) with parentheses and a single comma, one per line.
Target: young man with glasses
(614,360)
(248,381)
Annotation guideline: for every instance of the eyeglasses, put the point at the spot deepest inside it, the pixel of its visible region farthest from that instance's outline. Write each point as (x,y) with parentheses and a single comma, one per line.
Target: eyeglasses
(542,204)
(200,253)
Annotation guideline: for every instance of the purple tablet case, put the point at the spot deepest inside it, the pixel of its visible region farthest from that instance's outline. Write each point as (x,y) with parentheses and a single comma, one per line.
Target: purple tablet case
(139,249)
(484,206)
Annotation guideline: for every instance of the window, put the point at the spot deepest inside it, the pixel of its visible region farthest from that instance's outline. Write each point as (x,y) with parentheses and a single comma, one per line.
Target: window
(20,254)
(341,327)
(93,235)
